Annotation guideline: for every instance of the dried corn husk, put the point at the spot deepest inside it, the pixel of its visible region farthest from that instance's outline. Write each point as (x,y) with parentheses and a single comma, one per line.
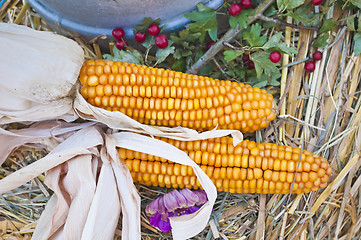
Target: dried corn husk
(38,72)
(47,133)
(82,200)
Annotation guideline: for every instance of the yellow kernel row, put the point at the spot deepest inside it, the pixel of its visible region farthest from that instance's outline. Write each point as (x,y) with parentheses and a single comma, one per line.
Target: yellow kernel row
(220,152)
(218,172)
(229,185)
(173,94)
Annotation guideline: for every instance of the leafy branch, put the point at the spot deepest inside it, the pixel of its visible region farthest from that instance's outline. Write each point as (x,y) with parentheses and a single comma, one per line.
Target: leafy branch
(227,37)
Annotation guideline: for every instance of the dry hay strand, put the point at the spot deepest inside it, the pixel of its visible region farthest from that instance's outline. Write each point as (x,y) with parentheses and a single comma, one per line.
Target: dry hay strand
(320,112)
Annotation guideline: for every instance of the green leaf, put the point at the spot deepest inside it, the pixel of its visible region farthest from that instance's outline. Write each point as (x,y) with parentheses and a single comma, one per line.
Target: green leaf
(202,8)
(289,4)
(254,37)
(204,20)
(273,41)
(206,70)
(321,40)
(177,54)
(271,11)
(351,23)
(263,81)
(180,65)
(125,56)
(294,3)
(281,5)
(286,49)
(197,16)
(186,53)
(241,19)
(185,37)
(328,25)
(357,3)
(303,16)
(229,55)
(143,25)
(162,54)
(264,65)
(357,44)
(149,41)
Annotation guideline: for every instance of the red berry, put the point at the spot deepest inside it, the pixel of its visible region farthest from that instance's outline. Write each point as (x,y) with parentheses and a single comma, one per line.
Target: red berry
(246,3)
(121,44)
(245,58)
(317,56)
(275,56)
(161,41)
(316,2)
(235,9)
(251,64)
(310,66)
(153,29)
(210,44)
(118,33)
(140,36)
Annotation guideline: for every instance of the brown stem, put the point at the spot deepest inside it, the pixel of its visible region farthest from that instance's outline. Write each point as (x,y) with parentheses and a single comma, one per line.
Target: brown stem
(279,22)
(220,69)
(227,37)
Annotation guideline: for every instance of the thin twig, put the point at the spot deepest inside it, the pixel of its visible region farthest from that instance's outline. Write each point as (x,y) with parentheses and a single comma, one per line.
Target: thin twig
(279,22)
(227,37)
(221,69)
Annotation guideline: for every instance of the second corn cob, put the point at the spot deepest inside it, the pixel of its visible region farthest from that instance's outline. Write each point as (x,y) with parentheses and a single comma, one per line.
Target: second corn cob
(249,167)
(169,98)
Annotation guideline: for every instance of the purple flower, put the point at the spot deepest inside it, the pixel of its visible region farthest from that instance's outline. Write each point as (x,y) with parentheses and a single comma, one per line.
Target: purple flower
(157,221)
(173,204)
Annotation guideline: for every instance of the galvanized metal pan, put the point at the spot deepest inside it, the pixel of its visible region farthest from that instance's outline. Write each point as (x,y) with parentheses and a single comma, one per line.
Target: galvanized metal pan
(91,18)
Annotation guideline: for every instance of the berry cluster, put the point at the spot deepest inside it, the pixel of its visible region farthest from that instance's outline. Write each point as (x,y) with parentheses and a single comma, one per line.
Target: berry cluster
(248,61)
(118,33)
(236,8)
(161,40)
(310,65)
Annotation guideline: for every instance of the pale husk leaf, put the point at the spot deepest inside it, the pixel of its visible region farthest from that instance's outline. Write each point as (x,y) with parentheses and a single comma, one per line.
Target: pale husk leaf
(80,184)
(78,144)
(102,221)
(186,226)
(128,194)
(76,214)
(37,133)
(38,73)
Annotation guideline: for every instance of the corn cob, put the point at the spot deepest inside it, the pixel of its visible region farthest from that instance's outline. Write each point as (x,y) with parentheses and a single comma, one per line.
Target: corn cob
(249,167)
(168,98)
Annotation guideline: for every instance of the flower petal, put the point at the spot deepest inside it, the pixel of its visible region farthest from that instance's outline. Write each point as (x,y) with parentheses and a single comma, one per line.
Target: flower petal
(202,197)
(153,207)
(190,196)
(154,220)
(170,202)
(181,200)
(164,226)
